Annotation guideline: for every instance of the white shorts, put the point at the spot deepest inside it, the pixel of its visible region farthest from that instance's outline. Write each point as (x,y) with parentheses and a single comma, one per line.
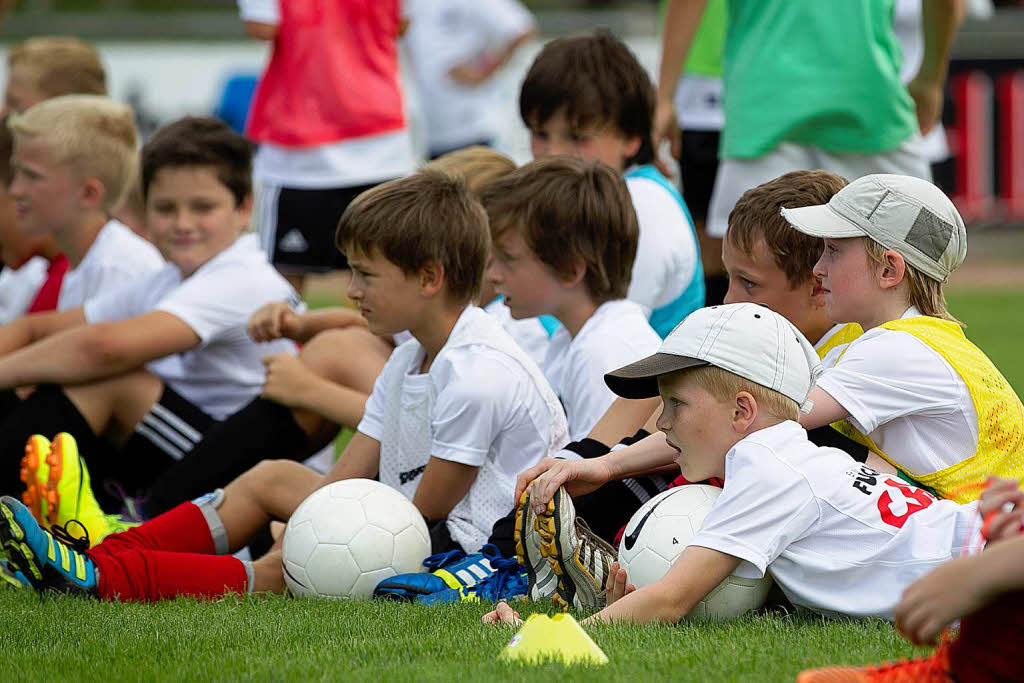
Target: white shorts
(736,176)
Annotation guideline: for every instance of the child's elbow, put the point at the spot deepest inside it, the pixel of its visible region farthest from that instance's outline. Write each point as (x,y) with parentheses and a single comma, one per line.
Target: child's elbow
(100,348)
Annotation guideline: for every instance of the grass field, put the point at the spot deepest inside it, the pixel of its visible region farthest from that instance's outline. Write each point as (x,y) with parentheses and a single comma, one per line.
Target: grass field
(275,638)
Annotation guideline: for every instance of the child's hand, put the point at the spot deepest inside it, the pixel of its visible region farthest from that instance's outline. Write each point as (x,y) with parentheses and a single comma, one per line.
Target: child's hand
(931,603)
(1002,508)
(617,586)
(273,321)
(504,615)
(288,381)
(544,478)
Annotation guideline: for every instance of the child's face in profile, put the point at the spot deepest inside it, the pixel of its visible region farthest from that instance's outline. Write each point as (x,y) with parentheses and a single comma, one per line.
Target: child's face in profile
(528,285)
(757,278)
(388,298)
(46,192)
(848,279)
(192,215)
(697,425)
(557,136)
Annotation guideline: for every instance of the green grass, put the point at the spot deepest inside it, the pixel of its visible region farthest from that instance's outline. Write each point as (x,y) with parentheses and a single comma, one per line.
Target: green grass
(275,638)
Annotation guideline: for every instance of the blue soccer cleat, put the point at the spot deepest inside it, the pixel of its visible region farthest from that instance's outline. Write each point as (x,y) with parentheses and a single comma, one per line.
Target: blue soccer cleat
(12,576)
(450,577)
(510,581)
(46,562)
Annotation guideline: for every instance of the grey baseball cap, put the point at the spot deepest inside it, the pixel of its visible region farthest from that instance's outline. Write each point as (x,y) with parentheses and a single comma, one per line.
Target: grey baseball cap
(906,214)
(745,339)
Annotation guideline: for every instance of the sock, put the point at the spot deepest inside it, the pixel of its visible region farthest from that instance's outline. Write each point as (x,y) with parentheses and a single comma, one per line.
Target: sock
(184,529)
(142,575)
(987,648)
(47,411)
(261,430)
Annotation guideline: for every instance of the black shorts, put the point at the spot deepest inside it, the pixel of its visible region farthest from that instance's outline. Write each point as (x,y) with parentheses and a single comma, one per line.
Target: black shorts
(698,165)
(297,227)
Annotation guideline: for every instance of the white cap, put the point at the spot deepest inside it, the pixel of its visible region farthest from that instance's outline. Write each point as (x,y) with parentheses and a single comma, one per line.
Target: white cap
(746,339)
(906,214)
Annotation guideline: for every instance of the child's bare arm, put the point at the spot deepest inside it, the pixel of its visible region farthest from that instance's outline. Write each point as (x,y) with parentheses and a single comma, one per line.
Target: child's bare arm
(89,352)
(31,328)
(623,418)
(277,319)
(959,587)
(359,460)
(290,382)
(826,410)
(695,574)
(444,483)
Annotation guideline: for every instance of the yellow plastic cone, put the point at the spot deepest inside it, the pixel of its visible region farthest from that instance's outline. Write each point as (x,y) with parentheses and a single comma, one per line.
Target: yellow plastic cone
(543,638)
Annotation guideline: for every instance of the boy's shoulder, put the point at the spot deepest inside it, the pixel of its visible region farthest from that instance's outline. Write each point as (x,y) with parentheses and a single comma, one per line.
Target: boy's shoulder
(477,347)
(615,324)
(119,245)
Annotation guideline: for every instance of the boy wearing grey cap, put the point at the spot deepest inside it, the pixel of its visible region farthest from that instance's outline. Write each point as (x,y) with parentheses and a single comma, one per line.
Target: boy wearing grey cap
(840,538)
(912,388)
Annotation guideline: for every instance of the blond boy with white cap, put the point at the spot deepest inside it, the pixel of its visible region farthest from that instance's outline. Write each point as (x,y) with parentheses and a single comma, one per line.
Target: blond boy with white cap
(913,389)
(839,537)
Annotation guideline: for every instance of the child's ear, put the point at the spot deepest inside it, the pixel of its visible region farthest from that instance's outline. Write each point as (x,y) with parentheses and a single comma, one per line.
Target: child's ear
(633,146)
(893,268)
(93,192)
(744,412)
(431,277)
(576,275)
(244,211)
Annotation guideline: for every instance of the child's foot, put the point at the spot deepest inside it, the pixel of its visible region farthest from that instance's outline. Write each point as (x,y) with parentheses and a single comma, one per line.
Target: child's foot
(543,581)
(69,493)
(35,472)
(576,554)
(934,668)
(47,564)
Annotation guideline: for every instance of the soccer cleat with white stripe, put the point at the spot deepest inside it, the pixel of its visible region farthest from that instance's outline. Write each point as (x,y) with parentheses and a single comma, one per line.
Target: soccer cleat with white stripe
(578,556)
(45,561)
(450,576)
(543,581)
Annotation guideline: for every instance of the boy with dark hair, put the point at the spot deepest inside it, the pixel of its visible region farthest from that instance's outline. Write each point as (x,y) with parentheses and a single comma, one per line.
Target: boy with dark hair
(436,427)
(571,260)
(588,96)
(150,366)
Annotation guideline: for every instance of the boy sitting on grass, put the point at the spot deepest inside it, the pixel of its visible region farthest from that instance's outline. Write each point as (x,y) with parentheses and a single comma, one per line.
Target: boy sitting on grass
(137,374)
(839,537)
(437,427)
(587,96)
(571,260)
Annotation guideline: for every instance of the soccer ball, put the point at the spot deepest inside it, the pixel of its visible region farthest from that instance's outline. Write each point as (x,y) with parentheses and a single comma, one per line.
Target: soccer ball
(348,536)
(658,533)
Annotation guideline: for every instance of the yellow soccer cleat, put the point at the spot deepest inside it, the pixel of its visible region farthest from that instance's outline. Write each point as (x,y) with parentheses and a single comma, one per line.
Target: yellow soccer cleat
(68,492)
(35,472)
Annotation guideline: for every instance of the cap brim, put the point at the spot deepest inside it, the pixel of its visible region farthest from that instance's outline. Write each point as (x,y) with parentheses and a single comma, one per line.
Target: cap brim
(640,379)
(821,221)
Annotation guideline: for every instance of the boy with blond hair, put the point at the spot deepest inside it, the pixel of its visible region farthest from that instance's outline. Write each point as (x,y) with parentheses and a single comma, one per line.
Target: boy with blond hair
(573,261)
(138,373)
(437,427)
(912,388)
(733,380)
(74,158)
(50,66)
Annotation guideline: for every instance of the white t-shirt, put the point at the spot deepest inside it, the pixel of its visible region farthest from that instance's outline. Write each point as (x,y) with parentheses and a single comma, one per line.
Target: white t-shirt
(225,371)
(482,403)
(906,397)
(666,252)
(443,34)
(616,335)
(698,101)
(19,287)
(349,163)
(529,333)
(116,258)
(837,536)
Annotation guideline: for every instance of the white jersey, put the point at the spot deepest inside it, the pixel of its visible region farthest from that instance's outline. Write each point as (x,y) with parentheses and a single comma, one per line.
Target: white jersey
(616,335)
(225,370)
(906,397)
(19,287)
(116,258)
(666,252)
(443,34)
(838,537)
(482,403)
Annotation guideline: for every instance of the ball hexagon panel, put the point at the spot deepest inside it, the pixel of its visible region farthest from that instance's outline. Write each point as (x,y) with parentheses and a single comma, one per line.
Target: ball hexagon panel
(332,570)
